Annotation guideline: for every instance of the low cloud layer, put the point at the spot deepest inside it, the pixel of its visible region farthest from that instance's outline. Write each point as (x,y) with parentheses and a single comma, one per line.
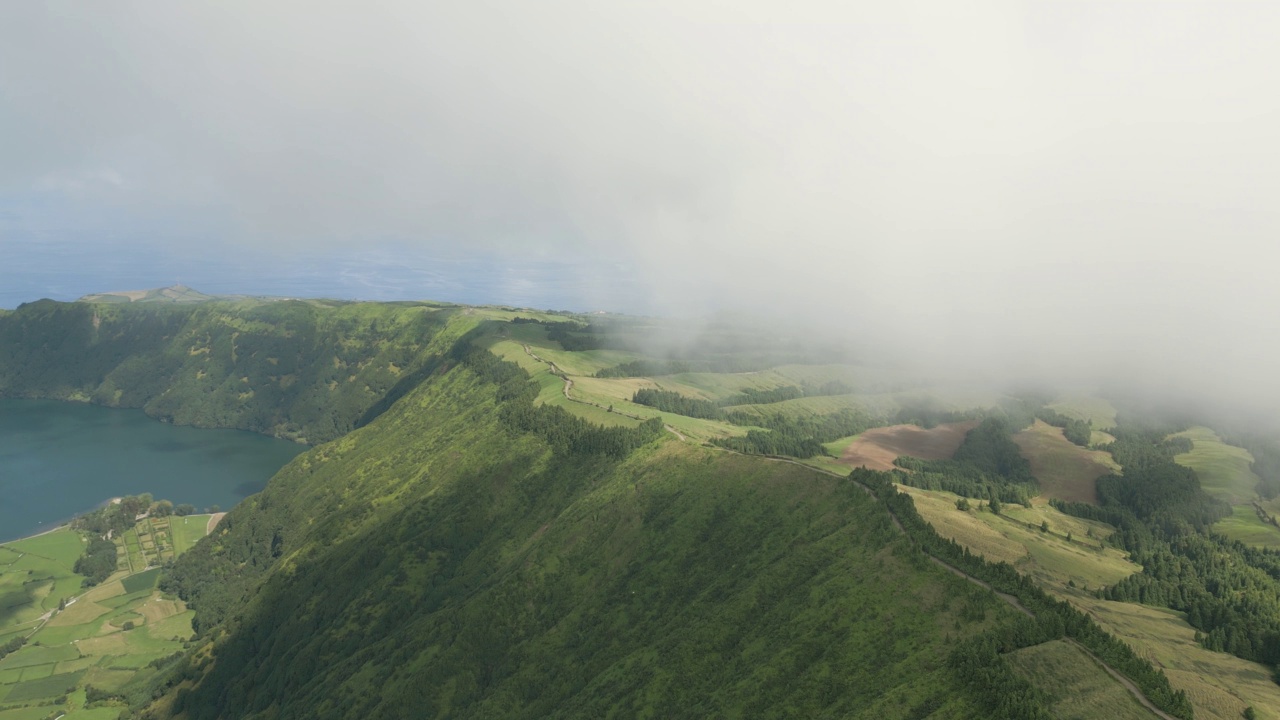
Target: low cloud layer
(1058,188)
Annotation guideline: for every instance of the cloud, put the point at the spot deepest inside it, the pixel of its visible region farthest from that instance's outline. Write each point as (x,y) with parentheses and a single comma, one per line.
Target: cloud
(1031,187)
(80,182)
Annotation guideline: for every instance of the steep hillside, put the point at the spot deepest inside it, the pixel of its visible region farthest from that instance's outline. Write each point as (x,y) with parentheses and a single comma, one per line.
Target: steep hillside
(473,541)
(309,371)
(442,563)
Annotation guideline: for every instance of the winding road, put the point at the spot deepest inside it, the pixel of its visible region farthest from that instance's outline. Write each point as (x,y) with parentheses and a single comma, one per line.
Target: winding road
(568,386)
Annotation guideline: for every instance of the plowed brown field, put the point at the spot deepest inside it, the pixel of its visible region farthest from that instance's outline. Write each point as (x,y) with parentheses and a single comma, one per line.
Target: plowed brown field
(877,449)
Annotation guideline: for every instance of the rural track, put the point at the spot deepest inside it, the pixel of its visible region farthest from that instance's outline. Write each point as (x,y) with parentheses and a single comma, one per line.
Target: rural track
(1010,599)
(214,519)
(1003,596)
(1126,682)
(568,387)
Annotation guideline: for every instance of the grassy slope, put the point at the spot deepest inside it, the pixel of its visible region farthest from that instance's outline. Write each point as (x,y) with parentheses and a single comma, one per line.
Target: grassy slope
(1220,686)
(1101,413)
(1081,689)
(1064,468)
(1014,537)
(595,393)
(1224,473)
(450,568)
(86,643)
(35,573)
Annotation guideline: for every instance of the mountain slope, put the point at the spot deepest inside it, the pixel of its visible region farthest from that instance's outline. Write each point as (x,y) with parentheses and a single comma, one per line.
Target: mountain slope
(439,563)
(309,371)
(459,549)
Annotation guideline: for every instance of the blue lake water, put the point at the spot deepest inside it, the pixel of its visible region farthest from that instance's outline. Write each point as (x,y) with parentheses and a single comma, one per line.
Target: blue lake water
(59,459)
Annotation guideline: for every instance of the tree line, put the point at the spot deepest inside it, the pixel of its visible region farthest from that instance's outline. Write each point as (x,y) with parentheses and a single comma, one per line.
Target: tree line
(1075,430)
(1052,619)
(674,402)
(100,558)
(987,465)
(564,431)
(1266,460)
(800,436)
(680,404)
(1230,592)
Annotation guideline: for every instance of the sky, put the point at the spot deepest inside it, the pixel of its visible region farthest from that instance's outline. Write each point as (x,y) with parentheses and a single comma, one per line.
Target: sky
(1044,187)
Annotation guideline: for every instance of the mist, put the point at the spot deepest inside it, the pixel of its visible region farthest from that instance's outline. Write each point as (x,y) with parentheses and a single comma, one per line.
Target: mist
(1083,191)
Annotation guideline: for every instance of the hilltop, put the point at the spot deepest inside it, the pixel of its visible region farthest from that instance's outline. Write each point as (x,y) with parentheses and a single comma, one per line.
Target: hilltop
(171,294)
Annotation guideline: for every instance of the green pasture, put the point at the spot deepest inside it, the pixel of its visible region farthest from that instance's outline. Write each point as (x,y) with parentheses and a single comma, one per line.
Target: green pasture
(62,545)
(99,651)
(1219,685)
(1225,474)
(1223,469)
(37,575)
(86,642)
(1099,412)
(862,378)
(1079,687)
(187,531)
(141,581)
(591,397)
(805,406)
(46,687)
(581,362)
(101,713)
(1245,525)
(1014,536)
(717,386)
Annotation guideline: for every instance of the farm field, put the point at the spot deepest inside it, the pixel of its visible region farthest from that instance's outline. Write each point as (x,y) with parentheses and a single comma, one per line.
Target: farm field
(106,636)
(1223,469)
(1219,685)
(1225,474)
(35,573)
(187,530)
(1099,412)
(876,449)
(591,397)
(1064,470)
(1014,536)
(1081,689)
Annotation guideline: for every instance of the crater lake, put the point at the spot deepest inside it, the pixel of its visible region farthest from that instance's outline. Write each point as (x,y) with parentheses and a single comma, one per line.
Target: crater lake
(60,459)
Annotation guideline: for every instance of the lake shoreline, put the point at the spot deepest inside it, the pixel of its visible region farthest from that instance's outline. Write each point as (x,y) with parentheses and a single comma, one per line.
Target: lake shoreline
(60,458)
(66,523)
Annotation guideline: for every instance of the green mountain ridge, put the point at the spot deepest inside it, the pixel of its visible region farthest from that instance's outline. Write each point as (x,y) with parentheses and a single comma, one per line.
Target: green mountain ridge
(172,294)
(309,371)
(509,581)
(451,548)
